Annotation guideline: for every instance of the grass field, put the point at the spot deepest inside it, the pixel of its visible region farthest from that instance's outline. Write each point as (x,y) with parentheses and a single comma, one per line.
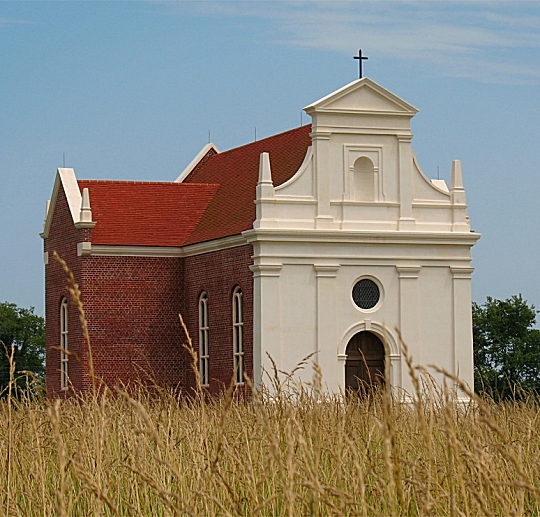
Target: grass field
(285,452)
(296,453)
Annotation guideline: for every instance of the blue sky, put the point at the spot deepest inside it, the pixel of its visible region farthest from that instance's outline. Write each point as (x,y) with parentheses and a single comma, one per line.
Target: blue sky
(130,90)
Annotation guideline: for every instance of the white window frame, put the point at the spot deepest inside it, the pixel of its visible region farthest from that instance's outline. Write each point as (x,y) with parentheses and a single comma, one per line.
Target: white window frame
(238,335)
(204,350)
(64,343)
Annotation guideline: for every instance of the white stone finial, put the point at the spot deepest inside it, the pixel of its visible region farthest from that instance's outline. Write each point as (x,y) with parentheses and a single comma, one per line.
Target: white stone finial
(86,210)
(265,173)
(265,187)
(265,193)
(457,176)
(460,217)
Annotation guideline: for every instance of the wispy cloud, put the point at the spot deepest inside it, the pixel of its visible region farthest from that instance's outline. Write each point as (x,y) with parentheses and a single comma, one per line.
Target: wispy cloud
(486,41)
(5,22)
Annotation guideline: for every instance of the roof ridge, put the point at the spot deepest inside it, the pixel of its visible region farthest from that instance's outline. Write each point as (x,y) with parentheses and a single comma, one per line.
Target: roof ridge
(262,140)
(131,182)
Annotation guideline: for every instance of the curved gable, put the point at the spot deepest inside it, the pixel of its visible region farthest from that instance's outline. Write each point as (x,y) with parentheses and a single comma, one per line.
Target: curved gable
(232,209)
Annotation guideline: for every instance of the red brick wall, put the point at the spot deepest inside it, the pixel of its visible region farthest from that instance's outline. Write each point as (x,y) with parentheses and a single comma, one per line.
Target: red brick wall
(132,306)
(63,238)
(218,273)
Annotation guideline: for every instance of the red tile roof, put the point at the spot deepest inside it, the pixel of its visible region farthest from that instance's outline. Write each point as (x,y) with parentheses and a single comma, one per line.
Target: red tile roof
(215,200)
(129,213)
(232,209)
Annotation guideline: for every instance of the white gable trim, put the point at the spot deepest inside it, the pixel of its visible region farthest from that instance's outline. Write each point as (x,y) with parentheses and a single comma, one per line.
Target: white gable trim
(299,172)
(201,154)
(68,180)
(322,104)
(439,185)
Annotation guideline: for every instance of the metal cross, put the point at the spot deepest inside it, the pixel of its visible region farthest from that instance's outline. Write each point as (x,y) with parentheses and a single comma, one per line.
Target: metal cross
(360,58)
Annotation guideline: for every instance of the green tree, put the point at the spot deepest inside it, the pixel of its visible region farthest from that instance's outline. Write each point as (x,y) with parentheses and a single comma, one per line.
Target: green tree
(506,347)
(24,332)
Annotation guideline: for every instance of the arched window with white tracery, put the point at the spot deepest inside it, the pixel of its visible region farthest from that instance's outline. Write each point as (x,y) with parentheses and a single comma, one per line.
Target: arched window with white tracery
(64,350)
(204,351)
(238,335)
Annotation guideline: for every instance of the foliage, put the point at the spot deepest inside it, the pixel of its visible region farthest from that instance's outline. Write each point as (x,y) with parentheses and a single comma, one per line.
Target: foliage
(22,332)
(506,347)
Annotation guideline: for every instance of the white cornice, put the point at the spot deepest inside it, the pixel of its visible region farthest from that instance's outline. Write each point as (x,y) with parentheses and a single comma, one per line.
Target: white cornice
(361,237)
(463,273)
(408,271)
(350,111)
(266,270)
(388,204)
(214,245)
(105,250)
(200,155)
(326,270)
(354,130)
(431,203)
(356,258)
(288,200)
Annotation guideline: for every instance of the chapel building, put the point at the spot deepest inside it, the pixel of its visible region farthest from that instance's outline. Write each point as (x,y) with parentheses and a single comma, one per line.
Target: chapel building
(324,242)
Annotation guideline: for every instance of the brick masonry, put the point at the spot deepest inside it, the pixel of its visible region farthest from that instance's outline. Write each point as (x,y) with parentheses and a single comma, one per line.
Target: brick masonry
(218,273)
(63,238)
(132,306)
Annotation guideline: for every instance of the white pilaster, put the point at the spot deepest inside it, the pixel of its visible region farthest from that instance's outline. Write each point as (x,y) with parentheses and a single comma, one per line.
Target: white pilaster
(408,313)
(406,220)
(321,153)
(266,319)
(462,324)
(327,336)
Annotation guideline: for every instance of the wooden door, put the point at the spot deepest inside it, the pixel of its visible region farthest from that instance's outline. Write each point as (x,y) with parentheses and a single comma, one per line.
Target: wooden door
(364,368)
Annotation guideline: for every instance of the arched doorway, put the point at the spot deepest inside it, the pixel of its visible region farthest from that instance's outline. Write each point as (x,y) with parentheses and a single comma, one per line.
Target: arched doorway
(364,368)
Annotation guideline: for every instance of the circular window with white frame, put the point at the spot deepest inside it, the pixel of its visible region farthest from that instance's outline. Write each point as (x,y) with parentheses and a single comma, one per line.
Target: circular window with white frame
(366,294)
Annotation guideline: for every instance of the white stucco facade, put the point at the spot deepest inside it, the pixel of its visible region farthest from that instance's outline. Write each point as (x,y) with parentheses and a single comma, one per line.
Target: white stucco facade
(360,207)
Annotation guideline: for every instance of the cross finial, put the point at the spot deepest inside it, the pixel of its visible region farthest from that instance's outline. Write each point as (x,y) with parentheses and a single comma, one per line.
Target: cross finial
(360,58)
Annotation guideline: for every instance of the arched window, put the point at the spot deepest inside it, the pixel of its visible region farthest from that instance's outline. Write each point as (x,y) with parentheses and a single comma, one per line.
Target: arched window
(64,356)
(238,335)
(364,180)
(204,353)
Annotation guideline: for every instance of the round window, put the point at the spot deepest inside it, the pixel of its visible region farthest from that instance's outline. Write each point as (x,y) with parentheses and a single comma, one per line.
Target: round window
(366,293)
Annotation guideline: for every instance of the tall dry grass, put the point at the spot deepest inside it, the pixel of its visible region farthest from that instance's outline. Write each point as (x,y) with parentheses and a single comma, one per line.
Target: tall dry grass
(298,452)
(286,452)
